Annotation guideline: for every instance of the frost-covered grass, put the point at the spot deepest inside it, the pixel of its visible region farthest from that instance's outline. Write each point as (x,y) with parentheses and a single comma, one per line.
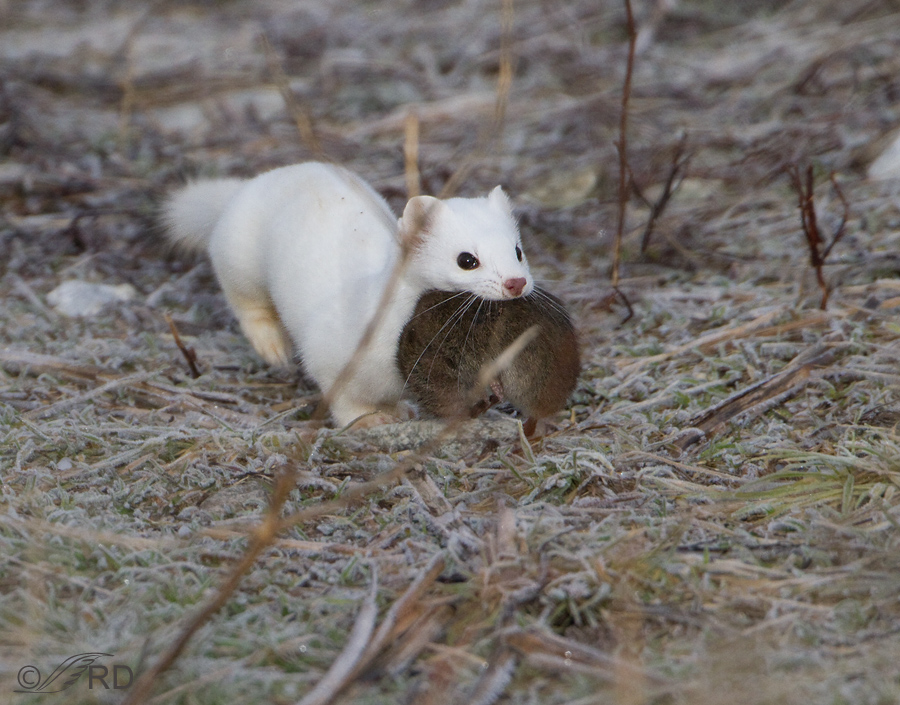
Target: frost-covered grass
(622,558)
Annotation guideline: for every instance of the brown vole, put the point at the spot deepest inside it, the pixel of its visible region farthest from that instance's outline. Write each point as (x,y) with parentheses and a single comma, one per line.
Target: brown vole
(451,337)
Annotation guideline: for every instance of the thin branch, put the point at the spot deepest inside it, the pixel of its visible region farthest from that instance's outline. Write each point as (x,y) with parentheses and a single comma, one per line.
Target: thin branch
(190,355)
(839,233)
(622,146)
(809,221)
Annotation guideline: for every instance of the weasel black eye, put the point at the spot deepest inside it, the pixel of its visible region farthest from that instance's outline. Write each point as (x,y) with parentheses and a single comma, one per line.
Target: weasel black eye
(467,260)
(519,253)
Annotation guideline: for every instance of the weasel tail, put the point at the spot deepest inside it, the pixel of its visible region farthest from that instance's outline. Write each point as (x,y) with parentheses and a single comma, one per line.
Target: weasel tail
(191,213)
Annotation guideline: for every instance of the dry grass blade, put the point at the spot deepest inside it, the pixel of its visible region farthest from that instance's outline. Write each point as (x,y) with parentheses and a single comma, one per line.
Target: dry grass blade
(300,116)
(777,387)
(190,355)
(397,616)
(260,539)
(21,360)
(335,679)
(411,155)
(662,460)
(758,327)
(490,370)
(494,679)
(538,642)
(72,402)
(504,82)
(425,630)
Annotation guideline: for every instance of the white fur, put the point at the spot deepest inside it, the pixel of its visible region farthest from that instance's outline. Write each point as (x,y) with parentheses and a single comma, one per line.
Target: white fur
(308,251)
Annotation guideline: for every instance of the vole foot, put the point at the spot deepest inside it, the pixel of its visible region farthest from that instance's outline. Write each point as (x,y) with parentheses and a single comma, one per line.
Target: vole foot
(483,405)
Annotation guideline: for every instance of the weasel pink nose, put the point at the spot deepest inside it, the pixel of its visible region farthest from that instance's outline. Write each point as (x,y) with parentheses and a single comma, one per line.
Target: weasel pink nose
(515,286)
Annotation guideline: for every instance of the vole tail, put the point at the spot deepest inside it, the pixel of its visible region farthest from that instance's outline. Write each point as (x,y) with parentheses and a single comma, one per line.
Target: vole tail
(191,213)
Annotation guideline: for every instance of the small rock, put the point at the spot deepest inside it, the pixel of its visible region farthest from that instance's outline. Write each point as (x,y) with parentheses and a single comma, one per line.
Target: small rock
(887,164)
(564,188)
(80,298)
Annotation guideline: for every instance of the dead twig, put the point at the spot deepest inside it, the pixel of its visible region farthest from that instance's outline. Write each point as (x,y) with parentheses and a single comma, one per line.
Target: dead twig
(190,355)
(839,232)
(622,146)
(818,251)
(778,387)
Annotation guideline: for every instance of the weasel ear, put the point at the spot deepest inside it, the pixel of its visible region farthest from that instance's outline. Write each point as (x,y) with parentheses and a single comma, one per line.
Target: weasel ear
(498,198)
(417,219)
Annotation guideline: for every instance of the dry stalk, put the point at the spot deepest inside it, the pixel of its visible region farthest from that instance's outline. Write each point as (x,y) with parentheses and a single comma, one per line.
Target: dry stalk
(776,388)
(622,146)
(344,665)
(190,355)
(129,93)
(300,116)
(411,155)
(260,539)
(504,82)
(818,251)
(123,55)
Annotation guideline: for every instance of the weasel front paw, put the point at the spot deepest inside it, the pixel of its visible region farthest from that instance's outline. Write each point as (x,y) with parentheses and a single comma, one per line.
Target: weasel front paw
(346,411)
(377,418)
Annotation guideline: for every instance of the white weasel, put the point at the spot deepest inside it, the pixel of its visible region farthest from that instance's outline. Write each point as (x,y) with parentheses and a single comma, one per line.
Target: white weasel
(309,250)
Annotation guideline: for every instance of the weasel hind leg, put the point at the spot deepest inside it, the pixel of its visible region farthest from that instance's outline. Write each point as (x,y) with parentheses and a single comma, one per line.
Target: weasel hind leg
(262,326)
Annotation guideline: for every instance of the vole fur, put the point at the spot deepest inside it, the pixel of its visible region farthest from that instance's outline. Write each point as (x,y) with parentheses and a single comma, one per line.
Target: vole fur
(452,336)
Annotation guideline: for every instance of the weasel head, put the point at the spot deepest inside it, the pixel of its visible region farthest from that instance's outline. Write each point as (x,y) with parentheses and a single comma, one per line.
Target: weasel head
(466,244)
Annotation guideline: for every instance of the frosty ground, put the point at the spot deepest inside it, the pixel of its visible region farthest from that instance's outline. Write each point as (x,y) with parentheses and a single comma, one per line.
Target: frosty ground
(714,517)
